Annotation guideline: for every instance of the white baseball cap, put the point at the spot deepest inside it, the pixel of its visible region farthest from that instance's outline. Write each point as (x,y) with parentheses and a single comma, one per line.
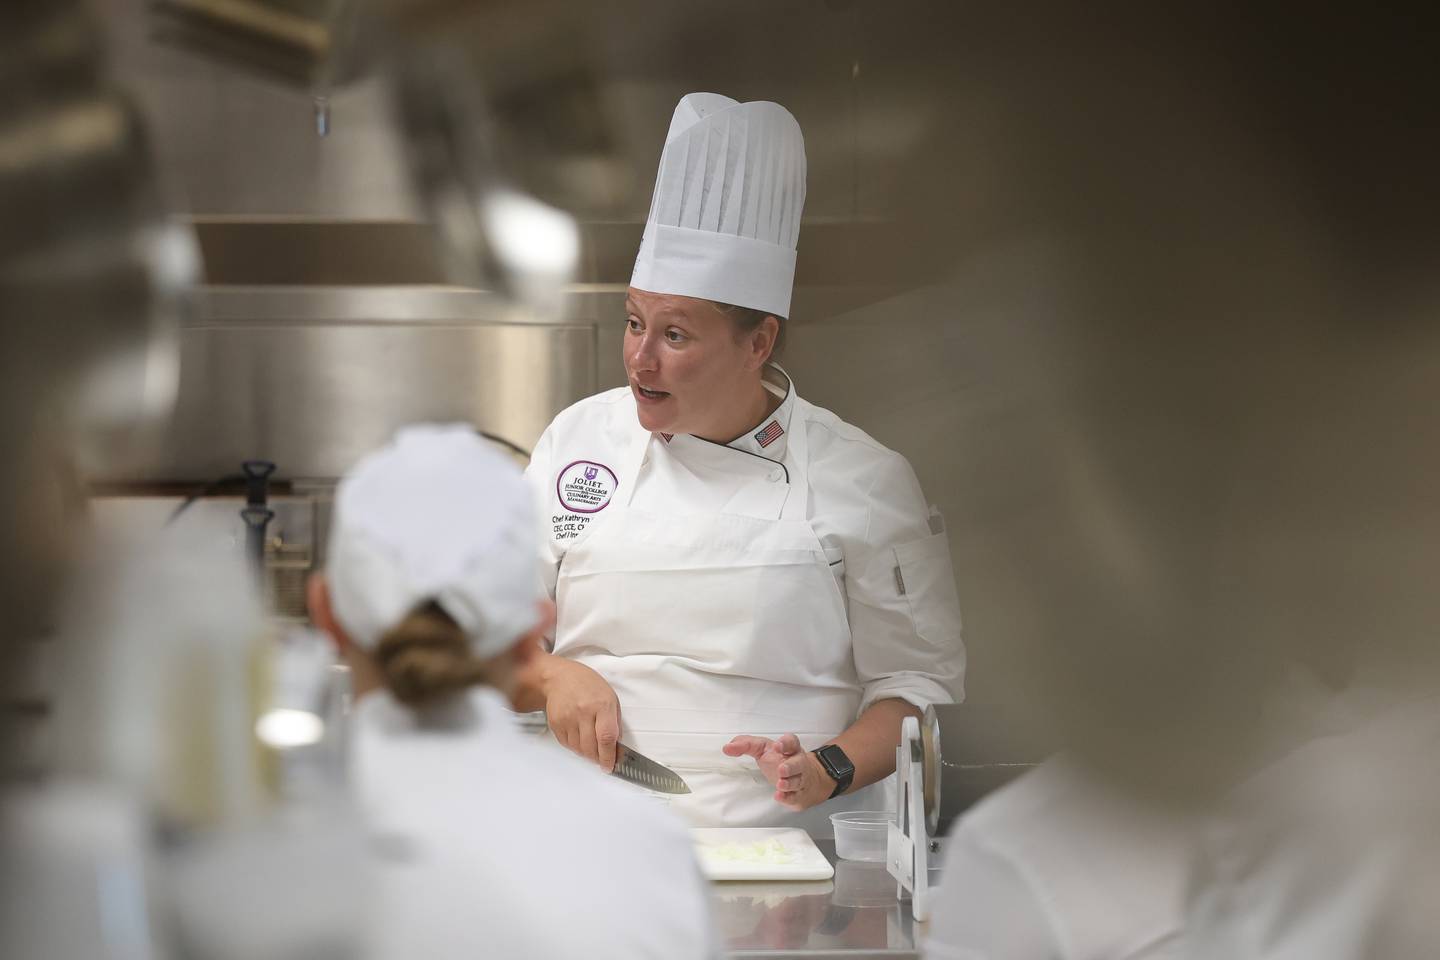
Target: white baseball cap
(725,218)
(438,515)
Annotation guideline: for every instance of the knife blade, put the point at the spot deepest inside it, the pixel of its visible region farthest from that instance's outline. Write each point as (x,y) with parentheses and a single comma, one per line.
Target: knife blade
(636,768)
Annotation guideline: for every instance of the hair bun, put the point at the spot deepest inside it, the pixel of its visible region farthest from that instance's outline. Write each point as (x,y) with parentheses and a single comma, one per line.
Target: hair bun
(426,657)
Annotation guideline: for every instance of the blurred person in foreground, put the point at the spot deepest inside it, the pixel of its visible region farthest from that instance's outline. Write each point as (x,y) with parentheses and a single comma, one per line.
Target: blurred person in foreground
(1217,367)
(488,843)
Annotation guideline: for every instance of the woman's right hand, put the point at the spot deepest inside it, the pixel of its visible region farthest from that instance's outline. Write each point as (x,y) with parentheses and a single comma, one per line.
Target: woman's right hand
(582,709)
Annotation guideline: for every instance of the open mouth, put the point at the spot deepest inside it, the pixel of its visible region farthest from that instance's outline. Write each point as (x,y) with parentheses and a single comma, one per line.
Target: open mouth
(651,394)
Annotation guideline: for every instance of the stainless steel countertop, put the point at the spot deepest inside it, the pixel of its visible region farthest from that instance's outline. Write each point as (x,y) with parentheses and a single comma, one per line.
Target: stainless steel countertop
(855,916)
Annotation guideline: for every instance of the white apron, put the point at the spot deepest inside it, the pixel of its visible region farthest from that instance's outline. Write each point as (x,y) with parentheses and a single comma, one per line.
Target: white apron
(712,625)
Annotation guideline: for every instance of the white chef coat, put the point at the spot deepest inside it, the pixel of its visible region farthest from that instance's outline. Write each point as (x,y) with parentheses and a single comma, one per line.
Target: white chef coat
(489,843)
(892,615)
(1054,866)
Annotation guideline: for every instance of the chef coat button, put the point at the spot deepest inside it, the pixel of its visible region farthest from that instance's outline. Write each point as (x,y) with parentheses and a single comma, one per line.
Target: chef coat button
(774,475)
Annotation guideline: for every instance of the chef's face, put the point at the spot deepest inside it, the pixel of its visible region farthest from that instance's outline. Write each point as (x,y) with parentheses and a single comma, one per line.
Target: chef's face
(688,365)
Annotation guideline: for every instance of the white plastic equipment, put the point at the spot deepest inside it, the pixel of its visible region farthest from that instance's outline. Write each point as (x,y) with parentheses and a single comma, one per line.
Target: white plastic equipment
(908,844)
(779,853)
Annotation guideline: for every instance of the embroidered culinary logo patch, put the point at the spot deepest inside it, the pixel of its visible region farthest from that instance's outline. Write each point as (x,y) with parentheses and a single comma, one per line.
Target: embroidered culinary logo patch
(585,486)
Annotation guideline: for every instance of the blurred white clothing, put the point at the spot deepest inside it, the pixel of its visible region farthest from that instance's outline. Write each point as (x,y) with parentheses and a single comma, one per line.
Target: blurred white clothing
(1056,865)
(492,844)
(1333,852)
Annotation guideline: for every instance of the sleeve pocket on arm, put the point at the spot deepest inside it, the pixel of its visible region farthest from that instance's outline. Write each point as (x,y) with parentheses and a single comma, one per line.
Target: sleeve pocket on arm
(925,577)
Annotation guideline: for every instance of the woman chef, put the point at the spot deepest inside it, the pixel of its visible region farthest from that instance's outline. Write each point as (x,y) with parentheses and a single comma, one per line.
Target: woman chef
(738,573)
(487,842)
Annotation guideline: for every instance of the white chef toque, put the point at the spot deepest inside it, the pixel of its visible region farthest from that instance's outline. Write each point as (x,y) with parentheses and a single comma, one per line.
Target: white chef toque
(437,514)
(725,218)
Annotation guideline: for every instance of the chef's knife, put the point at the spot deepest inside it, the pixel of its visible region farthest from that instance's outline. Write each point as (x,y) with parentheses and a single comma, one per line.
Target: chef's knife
(640,770)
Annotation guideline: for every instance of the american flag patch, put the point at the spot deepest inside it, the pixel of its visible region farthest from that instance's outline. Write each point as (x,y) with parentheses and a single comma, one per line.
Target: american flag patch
(770,434)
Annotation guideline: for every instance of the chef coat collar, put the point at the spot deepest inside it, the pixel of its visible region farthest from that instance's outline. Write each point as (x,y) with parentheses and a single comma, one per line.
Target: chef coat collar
(768,438)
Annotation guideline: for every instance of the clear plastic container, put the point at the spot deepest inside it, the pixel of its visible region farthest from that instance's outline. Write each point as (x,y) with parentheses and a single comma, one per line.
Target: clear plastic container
(861,834)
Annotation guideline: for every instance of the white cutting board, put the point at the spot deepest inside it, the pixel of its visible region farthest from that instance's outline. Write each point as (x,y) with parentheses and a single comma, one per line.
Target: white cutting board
(759,853)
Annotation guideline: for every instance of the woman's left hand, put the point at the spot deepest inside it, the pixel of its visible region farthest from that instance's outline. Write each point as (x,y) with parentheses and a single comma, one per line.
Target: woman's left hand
(799,780)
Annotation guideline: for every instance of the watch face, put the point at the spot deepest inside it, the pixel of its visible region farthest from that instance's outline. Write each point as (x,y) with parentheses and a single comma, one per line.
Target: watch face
(835,761)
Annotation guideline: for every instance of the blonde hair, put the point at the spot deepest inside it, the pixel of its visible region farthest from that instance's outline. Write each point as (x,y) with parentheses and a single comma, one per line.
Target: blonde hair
(748,320)
(426,658)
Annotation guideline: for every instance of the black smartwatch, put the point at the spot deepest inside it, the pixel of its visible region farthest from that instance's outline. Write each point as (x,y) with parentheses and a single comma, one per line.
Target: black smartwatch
(837,765)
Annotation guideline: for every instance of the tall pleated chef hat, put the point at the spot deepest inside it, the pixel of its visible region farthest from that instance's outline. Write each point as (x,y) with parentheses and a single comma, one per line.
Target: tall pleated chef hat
(725,217)
(437,514)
